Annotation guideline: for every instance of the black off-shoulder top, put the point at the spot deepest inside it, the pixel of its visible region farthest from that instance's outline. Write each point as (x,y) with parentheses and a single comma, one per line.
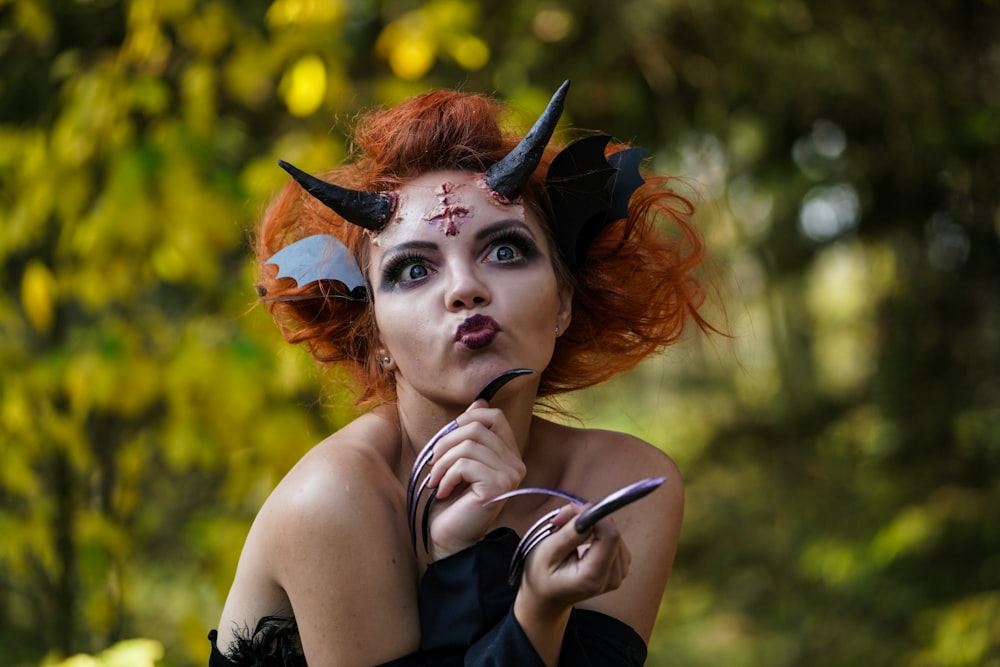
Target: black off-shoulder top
(466,618)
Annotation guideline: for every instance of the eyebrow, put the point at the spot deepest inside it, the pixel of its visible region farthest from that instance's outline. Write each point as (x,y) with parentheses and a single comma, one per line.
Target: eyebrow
(502,225)
(483,233)
(406,247)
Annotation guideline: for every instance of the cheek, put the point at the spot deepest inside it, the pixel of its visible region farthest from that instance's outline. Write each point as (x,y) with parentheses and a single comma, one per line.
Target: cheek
(401,326)
(538,302)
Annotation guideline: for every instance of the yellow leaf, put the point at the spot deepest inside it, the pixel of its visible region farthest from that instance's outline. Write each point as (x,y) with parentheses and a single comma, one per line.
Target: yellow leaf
(302,12)
(38,294)
(470,52)
(304,86)
(411,57)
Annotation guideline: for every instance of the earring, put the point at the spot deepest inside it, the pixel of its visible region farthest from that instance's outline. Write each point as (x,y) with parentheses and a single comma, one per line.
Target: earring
(558,329)
(385,362)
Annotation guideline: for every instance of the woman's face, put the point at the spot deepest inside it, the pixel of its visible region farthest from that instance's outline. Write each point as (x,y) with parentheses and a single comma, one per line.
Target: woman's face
(464,288)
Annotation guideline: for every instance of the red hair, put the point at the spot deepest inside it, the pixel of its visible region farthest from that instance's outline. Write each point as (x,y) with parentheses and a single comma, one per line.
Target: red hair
(633,296)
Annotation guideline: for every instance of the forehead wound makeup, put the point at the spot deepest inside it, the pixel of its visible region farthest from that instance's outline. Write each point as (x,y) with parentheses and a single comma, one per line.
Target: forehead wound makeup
(497,199)
(450,212)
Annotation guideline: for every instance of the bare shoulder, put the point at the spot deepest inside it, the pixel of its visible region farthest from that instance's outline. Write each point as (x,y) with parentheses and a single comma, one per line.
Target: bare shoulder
(599,462)
(331,485)
(340,500)
(623,459)
(329,538)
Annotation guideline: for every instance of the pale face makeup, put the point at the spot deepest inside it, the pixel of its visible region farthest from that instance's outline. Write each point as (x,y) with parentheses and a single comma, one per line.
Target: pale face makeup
(464,288)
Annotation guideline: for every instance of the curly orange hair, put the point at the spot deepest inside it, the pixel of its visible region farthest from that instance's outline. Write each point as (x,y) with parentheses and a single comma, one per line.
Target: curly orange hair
(633,296)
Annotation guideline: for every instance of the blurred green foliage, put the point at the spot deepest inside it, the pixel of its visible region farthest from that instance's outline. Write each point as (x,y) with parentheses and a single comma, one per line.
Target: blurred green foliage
(841,451)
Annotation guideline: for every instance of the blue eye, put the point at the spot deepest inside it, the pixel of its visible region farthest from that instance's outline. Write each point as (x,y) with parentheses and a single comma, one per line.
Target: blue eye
(405,269)
(511,247)
(413,272)
(505,253)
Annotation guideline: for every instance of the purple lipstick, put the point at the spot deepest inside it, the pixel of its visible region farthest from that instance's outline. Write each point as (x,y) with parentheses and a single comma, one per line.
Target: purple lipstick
(477,331)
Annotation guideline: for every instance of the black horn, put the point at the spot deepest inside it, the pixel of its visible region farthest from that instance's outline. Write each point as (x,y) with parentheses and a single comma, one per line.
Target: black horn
(509,176)
(371,210)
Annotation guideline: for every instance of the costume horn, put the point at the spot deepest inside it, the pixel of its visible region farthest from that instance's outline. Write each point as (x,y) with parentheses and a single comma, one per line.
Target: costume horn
(371,210)
(509,176)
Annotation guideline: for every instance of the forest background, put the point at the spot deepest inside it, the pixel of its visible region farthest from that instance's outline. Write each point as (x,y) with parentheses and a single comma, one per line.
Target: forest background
(841,450)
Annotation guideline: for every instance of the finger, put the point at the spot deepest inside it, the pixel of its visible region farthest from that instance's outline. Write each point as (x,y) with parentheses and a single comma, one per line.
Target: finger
(605,535)
(617,500)
(604,546)
(492,418)
(474,441)
(440,441)
(476,430)
(505,474)
(564,541)
(468,448)
(485,481)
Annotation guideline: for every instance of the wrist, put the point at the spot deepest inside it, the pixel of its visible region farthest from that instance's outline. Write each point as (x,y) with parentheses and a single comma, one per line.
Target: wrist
(543,623)
(529,608)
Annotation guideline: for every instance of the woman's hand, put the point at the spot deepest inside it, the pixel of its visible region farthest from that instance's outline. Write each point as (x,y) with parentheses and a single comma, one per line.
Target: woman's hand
(564,569)
(473,464)
(568,567)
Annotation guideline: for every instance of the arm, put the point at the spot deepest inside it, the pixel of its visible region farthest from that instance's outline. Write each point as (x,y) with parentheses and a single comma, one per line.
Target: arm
(651,528)
(595,585)
(566,569)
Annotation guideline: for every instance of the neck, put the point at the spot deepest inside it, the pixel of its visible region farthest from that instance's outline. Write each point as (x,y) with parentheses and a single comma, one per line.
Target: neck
(420,417)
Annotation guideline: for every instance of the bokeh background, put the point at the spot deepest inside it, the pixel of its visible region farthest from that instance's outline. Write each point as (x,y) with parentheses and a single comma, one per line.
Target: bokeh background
(841,448)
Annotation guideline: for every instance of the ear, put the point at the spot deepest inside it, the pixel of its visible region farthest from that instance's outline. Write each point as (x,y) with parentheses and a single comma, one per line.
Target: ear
(379,348)
(385,361)
(565,313)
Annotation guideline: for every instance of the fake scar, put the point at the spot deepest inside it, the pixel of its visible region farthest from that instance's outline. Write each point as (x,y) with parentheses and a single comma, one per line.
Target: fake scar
(450,213)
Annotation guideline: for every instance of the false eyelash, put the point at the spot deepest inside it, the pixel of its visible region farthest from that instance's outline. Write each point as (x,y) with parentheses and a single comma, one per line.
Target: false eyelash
(524,244)
(392,272)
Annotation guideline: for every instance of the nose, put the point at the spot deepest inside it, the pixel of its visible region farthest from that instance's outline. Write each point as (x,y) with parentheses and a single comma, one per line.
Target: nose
(466,289)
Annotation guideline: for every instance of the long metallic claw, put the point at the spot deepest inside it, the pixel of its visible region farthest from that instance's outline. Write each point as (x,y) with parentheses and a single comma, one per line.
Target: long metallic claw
(423,458)
(425,522)
(413,493)
(497,383)
(538,532)
(565,495)
(411,511)
(542,528)
(616,501)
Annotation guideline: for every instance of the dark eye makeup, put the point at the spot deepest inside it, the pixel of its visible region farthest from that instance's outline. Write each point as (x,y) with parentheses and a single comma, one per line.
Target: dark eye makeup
(508,246)
(406,267)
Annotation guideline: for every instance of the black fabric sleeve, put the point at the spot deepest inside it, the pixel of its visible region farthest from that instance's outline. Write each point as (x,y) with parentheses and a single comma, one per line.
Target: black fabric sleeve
(505,644)
(593,639)
(464,595)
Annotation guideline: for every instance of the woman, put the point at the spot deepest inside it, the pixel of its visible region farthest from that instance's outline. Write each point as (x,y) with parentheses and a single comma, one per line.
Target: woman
(476,254)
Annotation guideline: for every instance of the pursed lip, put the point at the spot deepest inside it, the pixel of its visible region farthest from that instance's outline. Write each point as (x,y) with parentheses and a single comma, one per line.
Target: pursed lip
(477,331)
